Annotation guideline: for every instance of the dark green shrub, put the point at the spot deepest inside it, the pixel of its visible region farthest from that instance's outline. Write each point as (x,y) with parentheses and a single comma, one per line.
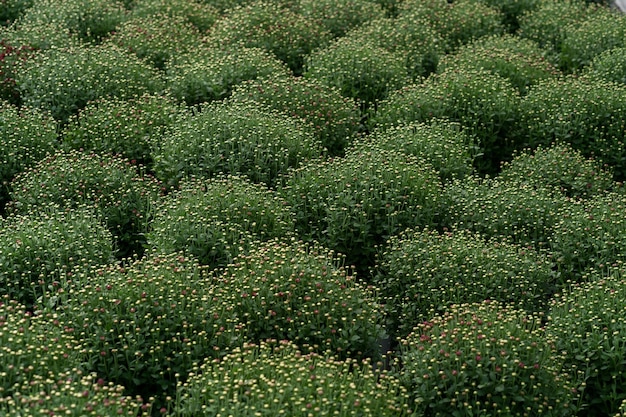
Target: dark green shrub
(339,16)
(458,22)
(353,204)
(502,209)
(144,325)
(622,410)
(413,38)
(11,57)
(270,26)
(583,41)
(512,10)
(38,250)
(217,219)
(519,60)
(559,167)
(36,36)
(129,128)
(64,81)
(587,324)
(609,65)
(273,371)
(211,74)
(358,69)
(484,103)
(422,271)
(235,139)
(334,119)
(113,186)
(301,293)
(483,360)
(201,15)
(445,145)
(26,137)
(155,39)
(585,113)
(12,9)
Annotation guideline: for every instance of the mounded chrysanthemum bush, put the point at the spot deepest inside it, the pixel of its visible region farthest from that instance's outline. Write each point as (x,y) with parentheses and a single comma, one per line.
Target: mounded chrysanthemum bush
(512,10)
(279,378)
(334,119)
(586,322)
(215,220)
(212,73)
(424,271)
(63,81)
(119,192)
(485,359)
(200,14)
(353,204)
(39,249)
(302,292)
(234,138)
(339,16)
(13,9)
(610,65)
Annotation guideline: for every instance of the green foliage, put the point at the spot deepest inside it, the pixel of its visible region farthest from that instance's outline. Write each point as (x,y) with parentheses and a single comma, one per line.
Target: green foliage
(334,119)
(301,293)
(519,60)
(443,144)
(38,250)
(130,128)
(503,209)
(610,65)
(512,10)
(27,136)
(235,139)
(63,81)
(358,69)
(583,41)
(458,22)
(38,35)
(270,26)
(424,271)
(484,103)
(353,204)
(112,186)
(144,325)
(586,323)
(259,379)
(585,113)
(157,38)
(339,16)
(11,57)
(410,36)
(198,77)
(201,15)
(215,220)
(12,9)
(482,360)
(561,168)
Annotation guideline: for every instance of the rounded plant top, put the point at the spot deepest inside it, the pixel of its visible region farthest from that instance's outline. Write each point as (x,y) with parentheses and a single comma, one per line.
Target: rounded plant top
(258,379)
(339,16)
(301,293)
(485,358)
(201,15)
(610,65)
(238,139)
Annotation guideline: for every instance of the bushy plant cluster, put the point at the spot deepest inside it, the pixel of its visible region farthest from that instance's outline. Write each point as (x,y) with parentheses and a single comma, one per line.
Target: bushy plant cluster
(259,377)
(443,144)
(157,38)
(211,74)
(485,359)
(585,322)
(512,10)
(11,57)
(38,250)
(424,271)
(334,119)
(519,60)
(585,113)
(215,220)
(129,128)
(610,65)
(561,168)
(234,138)
(112,186)
(358,69)
(353,204)
(63,81)
(200,14)
(339,16)
(12,9)
(271,26)
(302,293)
(38,36)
